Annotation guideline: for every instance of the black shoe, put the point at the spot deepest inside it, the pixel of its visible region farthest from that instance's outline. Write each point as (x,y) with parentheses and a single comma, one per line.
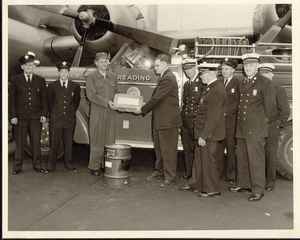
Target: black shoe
(48,171)
(185,176)
(269,188)
(210,194)
(239,189)
(72,170)
(15,172)
(231,182)
(185,188)
(95,172)
(154,176)
(41,170)
(166,184)
(255,197)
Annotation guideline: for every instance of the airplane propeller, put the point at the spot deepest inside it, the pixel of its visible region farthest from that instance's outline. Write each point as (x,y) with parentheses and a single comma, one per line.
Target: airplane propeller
(156,41)
(271,34)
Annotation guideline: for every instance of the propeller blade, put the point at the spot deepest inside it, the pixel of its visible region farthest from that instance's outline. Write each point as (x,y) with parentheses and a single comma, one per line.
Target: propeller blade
(78,54)
(59,9)
(272,33)
(157,41)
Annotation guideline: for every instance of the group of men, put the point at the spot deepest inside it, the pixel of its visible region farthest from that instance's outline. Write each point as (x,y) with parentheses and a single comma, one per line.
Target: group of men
(29,104)
(236,114)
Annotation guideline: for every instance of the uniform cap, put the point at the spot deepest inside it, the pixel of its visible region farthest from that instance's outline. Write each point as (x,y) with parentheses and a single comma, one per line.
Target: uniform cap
(27,58)
(63,65)
(250,57)
(230,62)
(188,63)
(101,55)
(208,67)
(266,67)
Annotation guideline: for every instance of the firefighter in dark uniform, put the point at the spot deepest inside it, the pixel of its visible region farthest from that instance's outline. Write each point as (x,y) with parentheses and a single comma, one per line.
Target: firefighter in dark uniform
(63,101)
(27,111)
(191,95)
(256,110)
(227,164)
(283,113)
(209,129)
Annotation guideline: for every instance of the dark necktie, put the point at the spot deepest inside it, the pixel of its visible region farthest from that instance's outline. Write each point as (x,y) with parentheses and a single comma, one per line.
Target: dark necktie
(225,81)
(28,79)
(64,86)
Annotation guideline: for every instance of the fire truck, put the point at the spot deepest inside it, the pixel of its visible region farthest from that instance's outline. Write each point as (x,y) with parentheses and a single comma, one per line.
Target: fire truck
(131,74)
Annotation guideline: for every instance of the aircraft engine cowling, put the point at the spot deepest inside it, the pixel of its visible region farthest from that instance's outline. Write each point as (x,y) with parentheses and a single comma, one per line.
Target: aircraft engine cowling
(266,15)
(99,39)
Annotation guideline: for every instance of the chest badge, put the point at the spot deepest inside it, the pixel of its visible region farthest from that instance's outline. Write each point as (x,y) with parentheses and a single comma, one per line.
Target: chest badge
(232,90)
(38,89)
(72,94)
(196,89)
(201,101)
(254,92)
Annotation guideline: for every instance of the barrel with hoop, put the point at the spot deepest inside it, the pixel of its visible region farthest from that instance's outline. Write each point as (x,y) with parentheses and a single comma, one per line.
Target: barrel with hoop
(117,165)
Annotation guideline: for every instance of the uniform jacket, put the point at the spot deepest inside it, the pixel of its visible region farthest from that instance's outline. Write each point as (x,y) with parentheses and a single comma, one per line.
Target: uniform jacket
(209,119)
(63,104)
(27,100)
(191,97)
(257,107)
(283,107)
(164,103)
(232,101)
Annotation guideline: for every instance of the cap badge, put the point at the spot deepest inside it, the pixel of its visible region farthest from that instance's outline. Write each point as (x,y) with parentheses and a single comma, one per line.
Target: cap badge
(226,59)
(26,57)
(254,92)
(64,63)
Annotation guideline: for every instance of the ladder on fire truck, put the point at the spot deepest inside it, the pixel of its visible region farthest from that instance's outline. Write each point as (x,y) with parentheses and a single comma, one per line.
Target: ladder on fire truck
(215,49)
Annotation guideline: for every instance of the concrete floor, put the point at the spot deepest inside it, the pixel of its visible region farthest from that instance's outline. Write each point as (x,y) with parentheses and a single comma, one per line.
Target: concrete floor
(64,201)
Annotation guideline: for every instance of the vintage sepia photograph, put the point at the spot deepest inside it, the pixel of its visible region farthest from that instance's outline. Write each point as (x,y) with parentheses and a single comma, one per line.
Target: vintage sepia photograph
(164,119)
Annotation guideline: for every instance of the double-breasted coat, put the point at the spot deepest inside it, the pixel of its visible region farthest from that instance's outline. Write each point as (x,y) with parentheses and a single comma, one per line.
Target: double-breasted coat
(190,100)
(63,104)
(210,126)
(256,110)
(166,121)
(27,102)
(102,127)
(283,113)
(227,164)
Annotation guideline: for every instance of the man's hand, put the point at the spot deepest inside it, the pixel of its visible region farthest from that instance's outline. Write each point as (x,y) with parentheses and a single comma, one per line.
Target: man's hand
(43,119)
(14,121)
(111,105)
(137,111)
(201,142)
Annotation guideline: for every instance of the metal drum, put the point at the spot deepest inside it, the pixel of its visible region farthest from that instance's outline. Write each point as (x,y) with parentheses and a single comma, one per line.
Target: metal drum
(117,164)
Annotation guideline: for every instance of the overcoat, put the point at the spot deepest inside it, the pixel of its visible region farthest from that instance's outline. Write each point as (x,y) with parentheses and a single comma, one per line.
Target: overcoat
(27,100)
(63,104)
(257,107)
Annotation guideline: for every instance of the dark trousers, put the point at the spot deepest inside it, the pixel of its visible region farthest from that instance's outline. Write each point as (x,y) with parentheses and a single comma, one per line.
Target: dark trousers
(32,127)
(251,164)
(56,135)
(165,146)
(187,134)
(271,150)
(205,171)
(227,165)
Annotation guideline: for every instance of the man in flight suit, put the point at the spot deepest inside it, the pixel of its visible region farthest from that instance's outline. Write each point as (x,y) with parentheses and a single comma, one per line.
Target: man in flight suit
(63,100)
(232,100)
(256,110)
(209,129)
(27,111)
(283,113)
(192,90)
